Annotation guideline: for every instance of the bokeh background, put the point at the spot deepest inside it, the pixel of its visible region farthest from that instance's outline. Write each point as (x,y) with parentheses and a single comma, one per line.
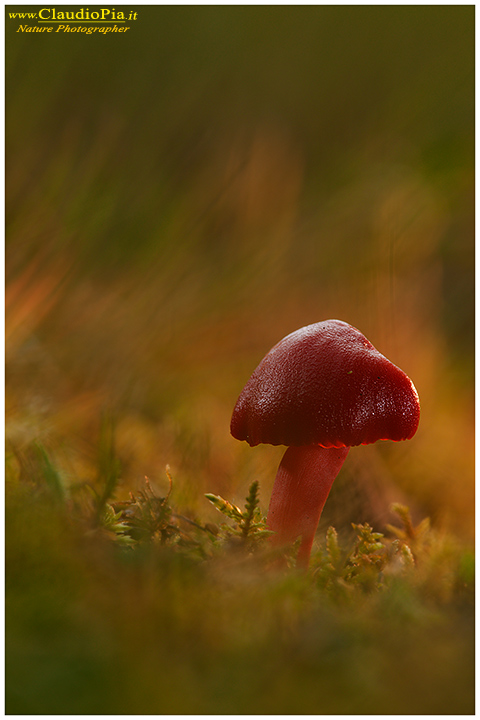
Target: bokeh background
(179,197)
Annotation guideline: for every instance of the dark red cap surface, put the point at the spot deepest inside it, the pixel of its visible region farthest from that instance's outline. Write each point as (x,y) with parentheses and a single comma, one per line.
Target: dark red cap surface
(326,384)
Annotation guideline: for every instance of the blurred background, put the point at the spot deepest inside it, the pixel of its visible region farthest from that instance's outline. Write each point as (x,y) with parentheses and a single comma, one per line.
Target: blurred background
(181,196)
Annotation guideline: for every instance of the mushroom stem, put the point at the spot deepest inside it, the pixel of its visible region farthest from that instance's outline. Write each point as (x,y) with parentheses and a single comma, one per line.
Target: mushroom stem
(303,482)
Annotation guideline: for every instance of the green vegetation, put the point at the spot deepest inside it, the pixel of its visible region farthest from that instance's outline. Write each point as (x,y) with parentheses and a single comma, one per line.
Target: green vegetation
(178,198)
(129,607)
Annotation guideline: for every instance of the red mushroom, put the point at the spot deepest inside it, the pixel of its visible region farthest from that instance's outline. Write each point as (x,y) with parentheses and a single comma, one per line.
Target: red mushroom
(320,390)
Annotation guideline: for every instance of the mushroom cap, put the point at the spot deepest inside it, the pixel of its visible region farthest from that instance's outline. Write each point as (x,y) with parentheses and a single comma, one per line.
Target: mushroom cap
(326,384)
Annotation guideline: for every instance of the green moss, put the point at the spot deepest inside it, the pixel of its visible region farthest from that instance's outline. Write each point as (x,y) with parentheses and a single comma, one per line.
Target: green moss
(187,622)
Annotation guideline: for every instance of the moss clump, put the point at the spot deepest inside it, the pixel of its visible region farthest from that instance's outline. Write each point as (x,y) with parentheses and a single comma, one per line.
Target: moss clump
(139,609)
